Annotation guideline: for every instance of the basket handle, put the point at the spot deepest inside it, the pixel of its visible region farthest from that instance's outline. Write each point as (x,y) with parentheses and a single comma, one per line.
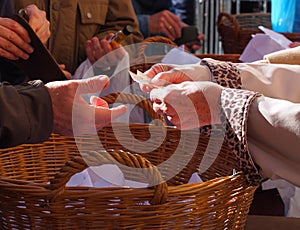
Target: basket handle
(138,100)
(232,19)
(95,158)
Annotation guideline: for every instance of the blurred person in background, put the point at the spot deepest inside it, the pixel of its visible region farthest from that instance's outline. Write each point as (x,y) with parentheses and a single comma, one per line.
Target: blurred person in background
(159,18)
(80,25)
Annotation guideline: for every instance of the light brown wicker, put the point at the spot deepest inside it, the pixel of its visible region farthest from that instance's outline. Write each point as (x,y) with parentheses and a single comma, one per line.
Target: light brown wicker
(235,30)
(33,177)
(143,62)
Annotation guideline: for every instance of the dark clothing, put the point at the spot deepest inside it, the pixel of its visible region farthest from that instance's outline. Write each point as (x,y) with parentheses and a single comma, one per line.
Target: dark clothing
(26,114)
(8,71)
(296,27)
(6,8)
(26,109)
(145,8)
(185,10)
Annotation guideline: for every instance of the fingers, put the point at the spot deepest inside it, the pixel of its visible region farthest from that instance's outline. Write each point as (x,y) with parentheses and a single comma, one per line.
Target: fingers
(16,30)
(171,25)
(294,44)
(38,22)
(93,85)
(118,111)
(102,51)
(104,115)
(157,68)
(165,22)
(67,74)
(89,51)
(98,102)
(14,40)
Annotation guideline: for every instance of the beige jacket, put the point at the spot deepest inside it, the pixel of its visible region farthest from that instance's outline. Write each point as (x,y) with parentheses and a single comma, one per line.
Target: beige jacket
(75,21)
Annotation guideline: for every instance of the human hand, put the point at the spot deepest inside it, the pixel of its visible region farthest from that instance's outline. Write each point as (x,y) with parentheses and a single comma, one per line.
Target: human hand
(69,108)
(167,23)
(102,49)
(195,46)
(163,74)
(14,40)
(38,22)
(294,44)
(66,73)
(189,104)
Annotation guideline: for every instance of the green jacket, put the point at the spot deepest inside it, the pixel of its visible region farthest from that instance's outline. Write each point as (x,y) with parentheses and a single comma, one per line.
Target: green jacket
(73,22)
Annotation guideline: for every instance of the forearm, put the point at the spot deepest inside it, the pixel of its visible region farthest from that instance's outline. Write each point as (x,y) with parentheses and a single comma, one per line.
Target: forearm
(26,114)
(272,80)
(274,137)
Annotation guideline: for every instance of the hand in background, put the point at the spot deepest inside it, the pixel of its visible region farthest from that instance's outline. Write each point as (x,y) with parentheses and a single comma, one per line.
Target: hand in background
(98,49)
(294,44)
(195,46)
(38,22)
(167,23)
(66,73)
(70,108)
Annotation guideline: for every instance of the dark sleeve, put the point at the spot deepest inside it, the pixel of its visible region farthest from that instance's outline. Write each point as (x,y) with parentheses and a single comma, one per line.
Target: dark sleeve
(185,10)
(26,114)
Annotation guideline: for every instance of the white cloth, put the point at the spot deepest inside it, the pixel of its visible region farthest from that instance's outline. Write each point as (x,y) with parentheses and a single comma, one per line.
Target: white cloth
(274,126)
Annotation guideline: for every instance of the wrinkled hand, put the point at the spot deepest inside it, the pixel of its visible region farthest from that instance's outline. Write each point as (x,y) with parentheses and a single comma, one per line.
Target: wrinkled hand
(102,50)
(38,22)
(71,110)
(167,23)
(14,40)
(189,104)
(163,74)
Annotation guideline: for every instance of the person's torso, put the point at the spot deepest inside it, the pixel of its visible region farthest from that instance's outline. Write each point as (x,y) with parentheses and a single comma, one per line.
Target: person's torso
(72,22)
(151,7)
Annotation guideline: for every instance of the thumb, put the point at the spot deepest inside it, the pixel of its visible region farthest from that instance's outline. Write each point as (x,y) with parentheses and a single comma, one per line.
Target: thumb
(118,111)
(29,9)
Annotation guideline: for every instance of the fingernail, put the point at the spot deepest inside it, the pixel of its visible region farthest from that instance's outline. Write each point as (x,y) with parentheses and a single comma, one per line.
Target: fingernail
(25,56)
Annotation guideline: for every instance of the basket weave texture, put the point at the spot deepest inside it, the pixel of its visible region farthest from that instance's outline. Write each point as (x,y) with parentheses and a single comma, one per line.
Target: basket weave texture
(235,31)
(142,62)
(33,194)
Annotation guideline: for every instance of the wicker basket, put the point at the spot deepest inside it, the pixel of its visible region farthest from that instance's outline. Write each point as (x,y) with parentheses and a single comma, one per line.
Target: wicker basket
(143,62)
(33,177)
(235,30)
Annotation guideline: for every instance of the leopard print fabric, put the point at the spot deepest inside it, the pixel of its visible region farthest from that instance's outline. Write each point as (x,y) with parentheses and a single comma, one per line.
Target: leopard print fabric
(225,74)
(236,105)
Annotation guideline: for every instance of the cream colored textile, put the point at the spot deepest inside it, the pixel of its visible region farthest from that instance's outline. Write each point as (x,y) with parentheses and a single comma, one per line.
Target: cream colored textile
(287,56)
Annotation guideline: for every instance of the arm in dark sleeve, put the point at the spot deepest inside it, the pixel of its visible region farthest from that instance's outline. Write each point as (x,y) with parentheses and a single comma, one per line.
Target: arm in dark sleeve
(26,114)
